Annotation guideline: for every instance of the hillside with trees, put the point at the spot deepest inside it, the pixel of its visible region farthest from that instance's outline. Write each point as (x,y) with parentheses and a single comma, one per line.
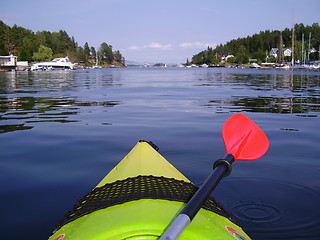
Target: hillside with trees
(45,45)
(258,47)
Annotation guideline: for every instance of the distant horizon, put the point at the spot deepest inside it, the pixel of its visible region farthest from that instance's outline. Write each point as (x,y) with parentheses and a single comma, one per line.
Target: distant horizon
(167,32)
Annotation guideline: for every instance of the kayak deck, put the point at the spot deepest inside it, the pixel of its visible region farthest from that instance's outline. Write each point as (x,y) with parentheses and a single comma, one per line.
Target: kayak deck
(138,199)
(143,159)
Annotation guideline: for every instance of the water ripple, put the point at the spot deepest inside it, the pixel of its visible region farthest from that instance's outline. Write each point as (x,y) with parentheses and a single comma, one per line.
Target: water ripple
(265,207)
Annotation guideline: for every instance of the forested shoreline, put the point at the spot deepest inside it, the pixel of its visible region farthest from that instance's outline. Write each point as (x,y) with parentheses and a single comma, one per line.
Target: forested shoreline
(258,46)
(45,45)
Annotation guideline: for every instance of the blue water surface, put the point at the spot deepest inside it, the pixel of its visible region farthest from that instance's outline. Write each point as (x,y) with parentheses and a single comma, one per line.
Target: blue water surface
(61,132)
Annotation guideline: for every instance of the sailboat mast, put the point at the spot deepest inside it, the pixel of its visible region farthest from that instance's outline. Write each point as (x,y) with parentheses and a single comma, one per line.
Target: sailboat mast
(292,39)
(303,48)
(309,47)
(280,48)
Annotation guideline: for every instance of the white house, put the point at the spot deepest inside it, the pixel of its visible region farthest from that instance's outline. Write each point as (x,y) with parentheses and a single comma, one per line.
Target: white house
(225,58)
(313,50)
(287,52)
(8,62)
(274,52)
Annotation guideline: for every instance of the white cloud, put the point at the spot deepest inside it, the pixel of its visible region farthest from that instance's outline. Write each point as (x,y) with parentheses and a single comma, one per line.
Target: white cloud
(134,48)
(185,45)
(197,45)
(153,45)
(158,46)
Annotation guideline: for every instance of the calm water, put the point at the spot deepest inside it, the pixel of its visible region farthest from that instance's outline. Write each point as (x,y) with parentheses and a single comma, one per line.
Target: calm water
(61,132)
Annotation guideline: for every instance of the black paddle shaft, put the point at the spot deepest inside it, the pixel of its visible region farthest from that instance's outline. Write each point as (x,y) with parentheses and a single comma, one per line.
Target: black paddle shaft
(222,167)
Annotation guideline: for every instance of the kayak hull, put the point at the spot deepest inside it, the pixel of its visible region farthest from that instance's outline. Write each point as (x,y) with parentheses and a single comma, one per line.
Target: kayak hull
(143,217)
(146,219)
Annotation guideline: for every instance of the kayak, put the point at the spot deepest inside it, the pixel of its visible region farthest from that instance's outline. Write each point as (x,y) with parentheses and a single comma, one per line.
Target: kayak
(138,199)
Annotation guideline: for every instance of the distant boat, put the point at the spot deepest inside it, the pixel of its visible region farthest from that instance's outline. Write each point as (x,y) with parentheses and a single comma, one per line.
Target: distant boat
(311,66)
(282,66)
(55,64)
(255,65)
(314,66)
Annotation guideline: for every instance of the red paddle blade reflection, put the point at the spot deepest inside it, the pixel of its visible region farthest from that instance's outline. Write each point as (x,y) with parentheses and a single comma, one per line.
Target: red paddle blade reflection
(243,138)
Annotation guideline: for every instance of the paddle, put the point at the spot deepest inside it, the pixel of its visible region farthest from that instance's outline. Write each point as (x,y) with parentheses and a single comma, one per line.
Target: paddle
(243,140)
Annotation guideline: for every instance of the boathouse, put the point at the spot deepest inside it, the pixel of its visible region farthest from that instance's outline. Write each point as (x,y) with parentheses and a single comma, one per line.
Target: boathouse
(8,63)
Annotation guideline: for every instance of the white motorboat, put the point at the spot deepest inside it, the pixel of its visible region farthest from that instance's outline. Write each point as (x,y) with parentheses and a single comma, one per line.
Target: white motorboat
(55,64)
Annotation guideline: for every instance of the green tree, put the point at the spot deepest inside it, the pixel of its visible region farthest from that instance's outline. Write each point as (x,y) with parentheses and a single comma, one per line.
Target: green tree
(7,40)
(3,30)
(44,54)
(260,55)
(106,53)
(55,42)
(18,34)
(210,58)
(118,57)
(93,52)
(40,38)
(200,58)
(242,55)
(81,54)
(27,49)
(86,50)
(66,42)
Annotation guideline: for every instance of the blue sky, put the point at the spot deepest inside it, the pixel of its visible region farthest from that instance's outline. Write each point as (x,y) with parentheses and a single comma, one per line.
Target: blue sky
(168,31)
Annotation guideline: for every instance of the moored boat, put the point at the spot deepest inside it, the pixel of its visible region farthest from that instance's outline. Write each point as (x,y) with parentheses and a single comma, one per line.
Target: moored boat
(55,64)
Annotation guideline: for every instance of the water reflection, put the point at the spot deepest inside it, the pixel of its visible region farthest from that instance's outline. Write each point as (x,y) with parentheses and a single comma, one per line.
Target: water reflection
(279,105)
(13,127)
(277,93)
(28,98)
(176,107)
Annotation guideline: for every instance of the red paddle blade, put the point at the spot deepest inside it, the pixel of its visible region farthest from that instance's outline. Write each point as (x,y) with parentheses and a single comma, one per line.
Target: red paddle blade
(243,138)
